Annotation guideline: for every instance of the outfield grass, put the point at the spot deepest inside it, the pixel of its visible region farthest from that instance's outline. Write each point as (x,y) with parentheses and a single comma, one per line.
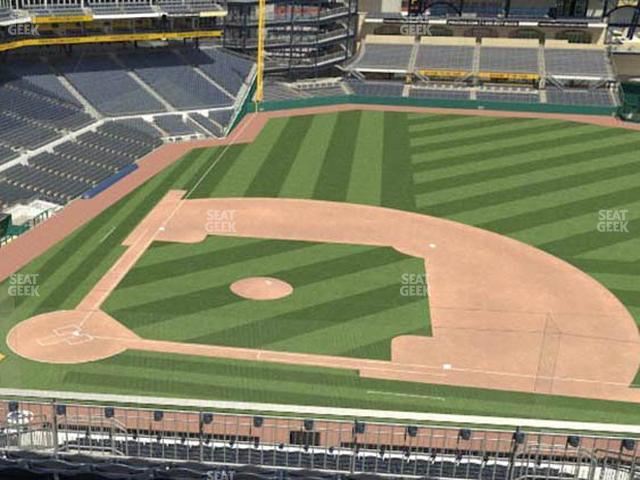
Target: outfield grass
(539,181)
(348,299)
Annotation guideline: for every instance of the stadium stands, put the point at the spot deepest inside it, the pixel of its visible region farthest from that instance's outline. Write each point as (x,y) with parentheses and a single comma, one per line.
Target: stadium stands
(175,125)
(175,80)
(502,96)
(509,60)
(576,62)
(376,89)
(58,103)
(228,70)
(600,97)
(207,124)
(107,86)
(442,94)
(445,57)
(384,56)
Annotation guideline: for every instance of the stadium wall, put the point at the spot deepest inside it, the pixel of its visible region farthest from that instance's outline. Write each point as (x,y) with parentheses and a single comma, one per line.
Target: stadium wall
(436,103)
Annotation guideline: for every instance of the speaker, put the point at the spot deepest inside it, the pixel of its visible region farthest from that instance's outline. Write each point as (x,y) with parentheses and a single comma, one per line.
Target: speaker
(359,427)
(628,444)
(61,409)
(412,430)
(308,425)
(573,440)
(158,415)
(207,418)
(464,434)
(109,412)
(13,406)
(258,421)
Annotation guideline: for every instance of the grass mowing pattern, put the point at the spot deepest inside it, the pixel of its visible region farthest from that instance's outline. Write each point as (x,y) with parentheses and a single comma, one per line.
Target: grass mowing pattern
(347,299)
(427,163)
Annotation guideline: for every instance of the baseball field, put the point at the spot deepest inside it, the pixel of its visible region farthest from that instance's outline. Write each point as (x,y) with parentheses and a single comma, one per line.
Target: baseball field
(360,225)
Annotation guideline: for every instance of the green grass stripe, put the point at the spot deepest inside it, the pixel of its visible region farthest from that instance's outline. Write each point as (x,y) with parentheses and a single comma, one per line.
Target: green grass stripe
(274,383)
(141,203)
(304,172)
(294,262)
(567,136)
(397,181)
(248,162)
(588,201)
(418,122)
(208,260)
(536,188)
(562,228)
(366,177)
(150,306)
(543,156)
(583,242)
(347,339)
(510,177)
(275,168)
(263,332)
(436,135)
(204,183)
(333,180)
(626,251)
(500,153)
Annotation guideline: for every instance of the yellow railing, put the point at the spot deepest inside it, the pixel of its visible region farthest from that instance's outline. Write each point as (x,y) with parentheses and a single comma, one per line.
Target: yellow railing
(61,19)
(443,73)
(529,77)
(125,37)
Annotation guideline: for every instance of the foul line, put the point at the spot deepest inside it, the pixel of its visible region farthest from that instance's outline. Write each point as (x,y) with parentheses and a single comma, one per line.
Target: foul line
(411,395)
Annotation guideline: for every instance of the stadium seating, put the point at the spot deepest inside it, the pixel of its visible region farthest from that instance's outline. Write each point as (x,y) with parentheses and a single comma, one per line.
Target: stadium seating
(384,56)
(207,124)
(496,96)
(441,94)
(187,6)
(174,125)
(107,86)
(576,62)
(169,75)
(228,70)
(5,13)
(445,57)
(509,60)
(600,97)
(376,89)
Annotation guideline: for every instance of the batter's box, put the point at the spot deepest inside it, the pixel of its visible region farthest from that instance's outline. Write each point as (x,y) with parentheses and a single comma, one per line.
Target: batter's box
(66,330)
(78,339)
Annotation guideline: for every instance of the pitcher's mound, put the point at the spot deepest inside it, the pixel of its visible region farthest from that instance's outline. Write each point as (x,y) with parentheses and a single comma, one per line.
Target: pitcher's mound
(261,288)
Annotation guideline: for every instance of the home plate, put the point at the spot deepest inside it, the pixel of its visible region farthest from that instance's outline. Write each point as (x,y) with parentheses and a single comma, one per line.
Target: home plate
(432,245)
(447,366)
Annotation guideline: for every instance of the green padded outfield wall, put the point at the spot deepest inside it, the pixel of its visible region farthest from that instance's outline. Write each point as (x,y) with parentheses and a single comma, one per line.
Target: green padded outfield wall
(630,99)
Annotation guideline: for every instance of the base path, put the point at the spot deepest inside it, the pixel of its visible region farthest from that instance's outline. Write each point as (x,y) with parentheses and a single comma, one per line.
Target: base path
(505,315)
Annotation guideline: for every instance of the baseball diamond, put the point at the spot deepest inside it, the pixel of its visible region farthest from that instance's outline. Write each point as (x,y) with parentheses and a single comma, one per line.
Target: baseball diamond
(426,261)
